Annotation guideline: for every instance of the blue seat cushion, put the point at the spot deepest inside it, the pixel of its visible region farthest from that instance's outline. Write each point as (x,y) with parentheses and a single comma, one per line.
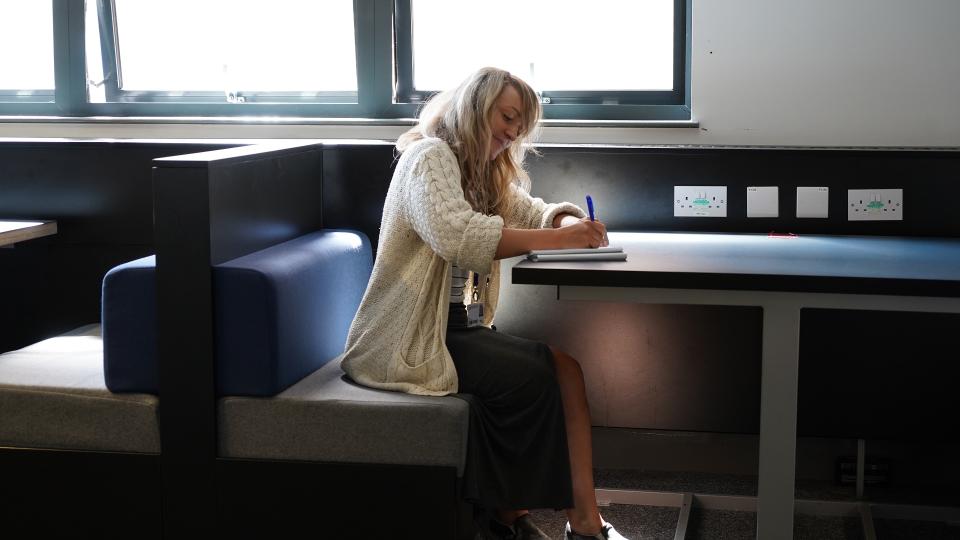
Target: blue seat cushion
(279,314)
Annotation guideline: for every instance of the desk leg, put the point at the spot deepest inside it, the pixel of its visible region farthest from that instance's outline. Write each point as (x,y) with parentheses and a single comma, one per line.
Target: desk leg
(778,421)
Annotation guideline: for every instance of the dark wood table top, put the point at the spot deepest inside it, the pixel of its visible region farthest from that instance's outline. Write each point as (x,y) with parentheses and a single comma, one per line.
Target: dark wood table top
(13,231)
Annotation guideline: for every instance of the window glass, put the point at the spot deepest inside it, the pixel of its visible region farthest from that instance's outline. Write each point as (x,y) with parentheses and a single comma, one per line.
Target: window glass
(219,45)
(26,42)
(561,45)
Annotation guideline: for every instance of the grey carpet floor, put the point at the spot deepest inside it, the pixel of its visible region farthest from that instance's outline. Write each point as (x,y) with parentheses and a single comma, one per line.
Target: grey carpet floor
(654,523)
(657,523)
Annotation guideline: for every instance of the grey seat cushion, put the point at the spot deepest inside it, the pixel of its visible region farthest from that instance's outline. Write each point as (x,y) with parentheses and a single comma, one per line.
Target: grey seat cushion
(53,395)
(326,417)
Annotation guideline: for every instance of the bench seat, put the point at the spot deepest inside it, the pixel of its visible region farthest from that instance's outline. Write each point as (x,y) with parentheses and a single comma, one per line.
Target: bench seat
(327,417)
(53,396)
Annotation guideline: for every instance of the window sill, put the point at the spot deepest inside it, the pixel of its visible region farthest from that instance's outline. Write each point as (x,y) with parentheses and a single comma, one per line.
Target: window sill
(622,123)
(288,128)
(205,120)
(307,121)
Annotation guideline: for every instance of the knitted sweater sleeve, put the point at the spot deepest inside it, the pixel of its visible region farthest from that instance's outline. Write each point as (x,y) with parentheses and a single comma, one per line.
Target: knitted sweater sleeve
(442,217)
(528,212)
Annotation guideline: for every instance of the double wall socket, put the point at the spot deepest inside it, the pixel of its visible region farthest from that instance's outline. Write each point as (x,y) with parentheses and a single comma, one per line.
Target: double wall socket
(874,204)
(700,201)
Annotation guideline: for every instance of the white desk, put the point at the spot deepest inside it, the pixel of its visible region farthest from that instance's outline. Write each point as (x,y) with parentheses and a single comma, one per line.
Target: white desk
(12,232)
(782,276)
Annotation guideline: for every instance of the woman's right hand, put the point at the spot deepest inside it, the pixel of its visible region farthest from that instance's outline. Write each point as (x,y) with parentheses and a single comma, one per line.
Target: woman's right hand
(580,234)
(583,233)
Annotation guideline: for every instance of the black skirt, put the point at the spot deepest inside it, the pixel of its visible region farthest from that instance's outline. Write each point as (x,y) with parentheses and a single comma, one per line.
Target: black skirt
(517,454)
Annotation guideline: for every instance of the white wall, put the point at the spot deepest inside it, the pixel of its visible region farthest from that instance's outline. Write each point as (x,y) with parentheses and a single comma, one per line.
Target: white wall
(765,72)
(827,72)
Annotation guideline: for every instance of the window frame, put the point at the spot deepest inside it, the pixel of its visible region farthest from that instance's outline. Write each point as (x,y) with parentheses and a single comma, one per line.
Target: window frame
(384,70)
(574,105)
(10,96)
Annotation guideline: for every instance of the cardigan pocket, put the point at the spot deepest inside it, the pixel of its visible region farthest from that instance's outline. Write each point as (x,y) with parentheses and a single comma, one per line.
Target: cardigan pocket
(422,337)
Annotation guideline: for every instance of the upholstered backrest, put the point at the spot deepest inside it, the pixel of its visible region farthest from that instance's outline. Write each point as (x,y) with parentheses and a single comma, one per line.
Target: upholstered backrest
(279,314)
(283,312)
(128,315)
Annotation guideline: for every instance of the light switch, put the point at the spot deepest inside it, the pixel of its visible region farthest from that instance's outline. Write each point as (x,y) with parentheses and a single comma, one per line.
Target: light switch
(763,202)
(813,202)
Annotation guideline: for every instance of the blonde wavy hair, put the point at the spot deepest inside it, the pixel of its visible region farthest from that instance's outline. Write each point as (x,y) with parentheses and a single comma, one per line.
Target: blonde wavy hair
(461,118)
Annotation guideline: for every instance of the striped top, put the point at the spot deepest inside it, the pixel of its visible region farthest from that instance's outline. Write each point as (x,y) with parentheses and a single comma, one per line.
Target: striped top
(459,278)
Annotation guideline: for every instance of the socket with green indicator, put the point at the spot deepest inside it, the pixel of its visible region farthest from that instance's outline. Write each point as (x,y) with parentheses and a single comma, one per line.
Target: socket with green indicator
(700,201)
(874,205)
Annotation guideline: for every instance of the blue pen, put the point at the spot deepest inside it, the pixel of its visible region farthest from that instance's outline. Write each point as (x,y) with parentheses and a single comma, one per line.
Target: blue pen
(590,207)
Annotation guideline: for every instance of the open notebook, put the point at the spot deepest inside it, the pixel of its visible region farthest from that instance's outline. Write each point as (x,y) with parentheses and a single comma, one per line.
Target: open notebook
(610,253)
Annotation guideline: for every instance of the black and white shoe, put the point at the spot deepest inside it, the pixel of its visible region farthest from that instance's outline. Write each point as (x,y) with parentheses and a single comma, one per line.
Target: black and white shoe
(607,532)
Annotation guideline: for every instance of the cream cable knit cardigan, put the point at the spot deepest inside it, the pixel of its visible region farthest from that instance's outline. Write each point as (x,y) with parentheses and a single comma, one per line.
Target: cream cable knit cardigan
(397,339)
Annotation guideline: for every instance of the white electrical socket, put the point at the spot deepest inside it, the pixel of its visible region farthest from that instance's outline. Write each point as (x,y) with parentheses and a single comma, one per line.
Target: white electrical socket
(874,204)
(700,201)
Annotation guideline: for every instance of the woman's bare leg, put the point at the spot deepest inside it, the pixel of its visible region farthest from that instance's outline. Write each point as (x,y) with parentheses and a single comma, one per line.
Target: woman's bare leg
(584,516)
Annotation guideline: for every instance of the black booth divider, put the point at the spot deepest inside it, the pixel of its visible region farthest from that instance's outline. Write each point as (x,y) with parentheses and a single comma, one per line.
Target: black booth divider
(209,208)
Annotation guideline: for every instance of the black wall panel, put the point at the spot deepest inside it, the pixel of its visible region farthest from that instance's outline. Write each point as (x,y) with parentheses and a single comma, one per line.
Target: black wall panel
(878,375)
(633,187)
(100,195)
(355,183)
